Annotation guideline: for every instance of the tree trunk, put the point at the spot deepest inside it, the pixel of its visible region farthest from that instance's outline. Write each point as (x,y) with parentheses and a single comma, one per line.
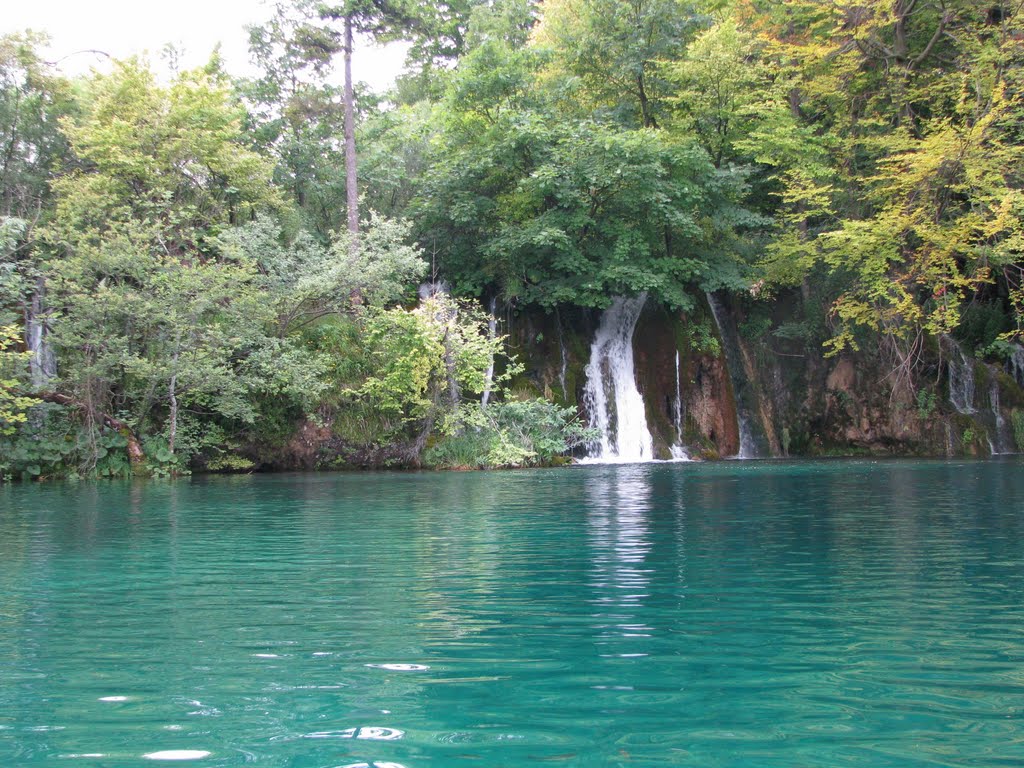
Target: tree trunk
(173,396)
(645,105)
(351,188)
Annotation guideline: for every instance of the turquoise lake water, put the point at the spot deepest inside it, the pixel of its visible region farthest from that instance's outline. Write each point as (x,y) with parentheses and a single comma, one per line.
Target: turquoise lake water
(741,614)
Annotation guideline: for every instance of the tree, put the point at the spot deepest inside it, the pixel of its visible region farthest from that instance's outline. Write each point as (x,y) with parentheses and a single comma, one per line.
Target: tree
(153,318)
(612,49)
(382,19)
(424,361)
(296,114)
(305,281)
(552,211)
(907,115)
(33,151)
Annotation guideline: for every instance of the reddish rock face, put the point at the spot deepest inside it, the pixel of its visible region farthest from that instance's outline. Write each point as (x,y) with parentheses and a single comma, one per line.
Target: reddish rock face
(705,389)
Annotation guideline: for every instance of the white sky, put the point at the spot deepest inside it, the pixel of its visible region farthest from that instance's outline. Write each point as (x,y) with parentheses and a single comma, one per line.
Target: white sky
(126,27)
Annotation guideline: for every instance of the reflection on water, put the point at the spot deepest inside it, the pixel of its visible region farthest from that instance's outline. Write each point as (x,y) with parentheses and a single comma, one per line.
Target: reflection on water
(740,614)
(618,506)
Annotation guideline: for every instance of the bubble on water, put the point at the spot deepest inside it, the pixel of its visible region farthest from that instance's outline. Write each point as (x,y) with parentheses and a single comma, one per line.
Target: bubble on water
(113,698)
(85,754)
(178,754)
(400,667)
(266,656)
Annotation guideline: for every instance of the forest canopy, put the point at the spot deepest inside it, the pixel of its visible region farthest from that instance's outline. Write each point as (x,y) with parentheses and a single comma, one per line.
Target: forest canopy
(196,268)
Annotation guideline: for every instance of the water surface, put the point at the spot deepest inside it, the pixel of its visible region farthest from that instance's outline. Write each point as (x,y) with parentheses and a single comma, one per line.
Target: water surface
(741,614)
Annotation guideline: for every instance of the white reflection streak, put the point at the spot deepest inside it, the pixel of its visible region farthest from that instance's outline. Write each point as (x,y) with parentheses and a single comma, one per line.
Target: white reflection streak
(620,534)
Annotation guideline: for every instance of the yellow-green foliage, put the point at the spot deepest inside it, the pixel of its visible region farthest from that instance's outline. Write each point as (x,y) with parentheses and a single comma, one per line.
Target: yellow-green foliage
(13,404)
(420,357)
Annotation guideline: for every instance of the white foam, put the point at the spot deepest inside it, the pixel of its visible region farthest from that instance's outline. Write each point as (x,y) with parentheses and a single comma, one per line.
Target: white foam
(178,754)
(400,667)
(611,397)
(113,698)
(370,732)
(377,733)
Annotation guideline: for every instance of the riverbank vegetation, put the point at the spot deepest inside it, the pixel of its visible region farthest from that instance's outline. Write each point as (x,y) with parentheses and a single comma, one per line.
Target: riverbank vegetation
(201,271)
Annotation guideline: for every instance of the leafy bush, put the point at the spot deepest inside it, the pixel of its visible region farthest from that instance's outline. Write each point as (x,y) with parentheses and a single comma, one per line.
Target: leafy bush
(55,444)
(509,434)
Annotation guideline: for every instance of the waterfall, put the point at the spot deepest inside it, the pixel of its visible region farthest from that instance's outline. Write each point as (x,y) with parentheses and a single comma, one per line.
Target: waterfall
(1003,442)
(961,378)
(564,370)
(611,397)
(436,288)
(748,448)
(492,332)
(42,363)
(678,450)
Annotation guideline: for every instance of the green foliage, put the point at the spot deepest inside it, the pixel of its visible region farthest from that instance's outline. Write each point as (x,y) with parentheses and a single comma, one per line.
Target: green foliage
(608,53)
(32,100)
(702,336)
(550,211)
(14,404)
(981,325)
(515,433)
(305,281)
(55,443)
(295,113)
(1017,420)
(892,141)
(422,361)
(925,404)
(174,244)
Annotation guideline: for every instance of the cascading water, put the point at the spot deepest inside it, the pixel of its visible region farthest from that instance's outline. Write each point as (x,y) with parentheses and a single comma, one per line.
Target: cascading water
(611,398)
(564,370)
(748,447)
(678,450)
(1003,442)
(961,378)
(42,363)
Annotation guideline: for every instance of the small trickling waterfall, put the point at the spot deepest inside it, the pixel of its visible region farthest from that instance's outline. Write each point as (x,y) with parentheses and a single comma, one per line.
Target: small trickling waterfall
(748,447)
(42,363)
(1003,442)
(492,332)
(678,449)
(611,397)
(564,370)
(961,378)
